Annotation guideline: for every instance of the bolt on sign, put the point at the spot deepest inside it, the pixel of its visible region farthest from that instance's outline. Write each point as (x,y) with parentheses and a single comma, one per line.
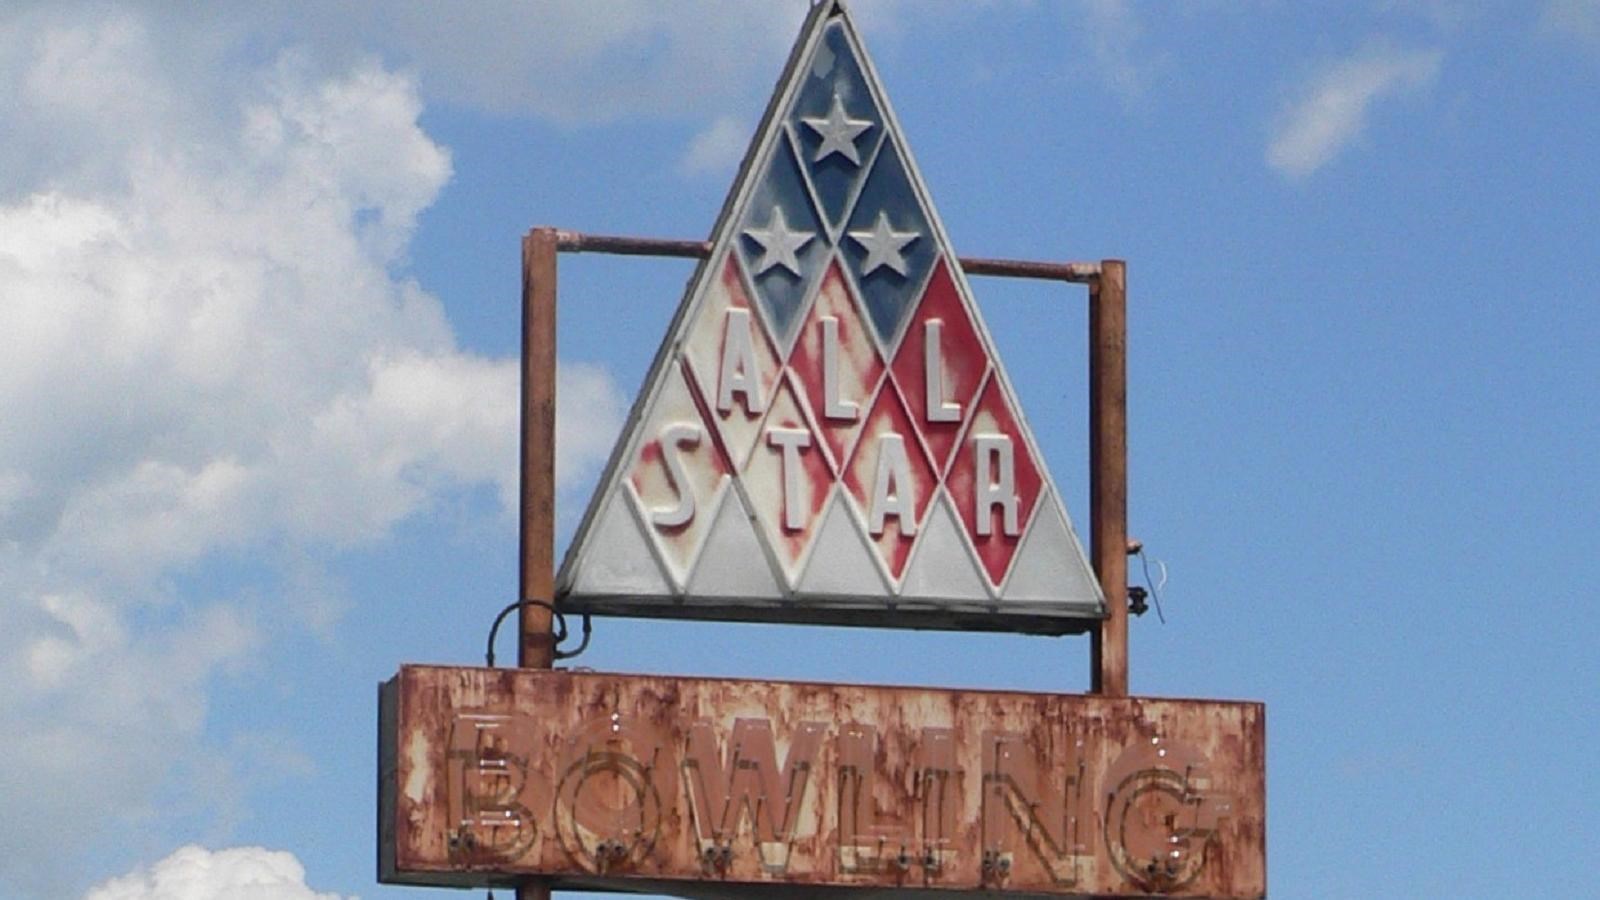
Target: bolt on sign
(827,434)
(718,788)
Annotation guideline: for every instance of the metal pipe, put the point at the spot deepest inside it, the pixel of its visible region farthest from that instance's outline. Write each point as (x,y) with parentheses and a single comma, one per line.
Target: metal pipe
(1075,272)
(1108,473)
(536,582)
(578,242)
(536,572)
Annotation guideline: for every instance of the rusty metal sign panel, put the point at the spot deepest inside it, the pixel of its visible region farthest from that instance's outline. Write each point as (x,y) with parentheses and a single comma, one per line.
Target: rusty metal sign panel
(827,434)
(713,788)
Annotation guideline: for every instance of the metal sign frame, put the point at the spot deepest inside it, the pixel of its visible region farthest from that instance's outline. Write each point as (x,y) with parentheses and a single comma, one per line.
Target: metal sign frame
(1107,283)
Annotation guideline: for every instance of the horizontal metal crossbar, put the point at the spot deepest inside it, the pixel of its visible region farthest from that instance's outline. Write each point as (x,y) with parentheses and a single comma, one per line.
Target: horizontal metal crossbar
(578,242)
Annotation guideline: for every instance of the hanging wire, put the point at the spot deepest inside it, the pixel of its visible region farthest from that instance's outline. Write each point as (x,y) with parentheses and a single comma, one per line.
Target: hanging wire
(588,629)
(1155,589)
(559,635)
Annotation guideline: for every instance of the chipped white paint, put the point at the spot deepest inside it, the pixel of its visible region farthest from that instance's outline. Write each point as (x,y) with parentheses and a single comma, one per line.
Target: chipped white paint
(418,787)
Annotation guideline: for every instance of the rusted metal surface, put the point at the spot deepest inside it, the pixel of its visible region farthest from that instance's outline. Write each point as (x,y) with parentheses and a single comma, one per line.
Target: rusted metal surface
(579,242)
(536,574)
(1074,272)
(536,645)
(1108,472)
(712,788)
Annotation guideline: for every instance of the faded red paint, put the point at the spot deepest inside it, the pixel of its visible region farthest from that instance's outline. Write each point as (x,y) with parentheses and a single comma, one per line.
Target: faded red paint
(1027,811)
(883,825)
(964,362)
(720,459)
(889,417)
(632,782)
(742,783)
(993,415)
(860,367)
(649,457)
(751,378)
(679,463)
(765,474)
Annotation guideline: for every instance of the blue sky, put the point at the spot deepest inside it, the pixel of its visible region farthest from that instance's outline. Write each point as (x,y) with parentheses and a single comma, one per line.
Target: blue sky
(258,318)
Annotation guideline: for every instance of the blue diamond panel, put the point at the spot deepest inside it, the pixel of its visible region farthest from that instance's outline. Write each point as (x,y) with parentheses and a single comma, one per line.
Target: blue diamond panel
(779,205)
(833,79)
(889,294)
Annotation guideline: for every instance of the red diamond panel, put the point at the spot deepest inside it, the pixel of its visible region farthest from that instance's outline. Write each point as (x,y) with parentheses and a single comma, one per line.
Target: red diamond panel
(733,362)
(891,480)
(836,364)
(941,337)
(788,480)
(994,482)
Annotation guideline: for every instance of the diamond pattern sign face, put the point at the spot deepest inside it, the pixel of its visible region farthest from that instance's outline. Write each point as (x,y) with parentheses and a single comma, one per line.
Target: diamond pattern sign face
(827,434)
(837,365)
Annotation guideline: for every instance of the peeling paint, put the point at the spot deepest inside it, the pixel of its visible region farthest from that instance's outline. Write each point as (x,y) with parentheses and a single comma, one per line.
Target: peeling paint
(628,781)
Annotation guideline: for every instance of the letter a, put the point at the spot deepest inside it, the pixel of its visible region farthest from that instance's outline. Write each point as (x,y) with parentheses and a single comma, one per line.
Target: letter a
(738,374)
(891,487)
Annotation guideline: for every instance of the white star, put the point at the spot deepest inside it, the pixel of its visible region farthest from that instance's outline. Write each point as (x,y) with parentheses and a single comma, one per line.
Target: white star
(778,243)
(838,132)
(883,245)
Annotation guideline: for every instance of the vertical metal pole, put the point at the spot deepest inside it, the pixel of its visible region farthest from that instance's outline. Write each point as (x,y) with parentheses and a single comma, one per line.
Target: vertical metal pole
(1108,472)
(536,575)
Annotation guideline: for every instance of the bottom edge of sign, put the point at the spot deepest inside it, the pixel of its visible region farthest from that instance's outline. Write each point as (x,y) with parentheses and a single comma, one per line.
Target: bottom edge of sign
(729,890)
(1038,618)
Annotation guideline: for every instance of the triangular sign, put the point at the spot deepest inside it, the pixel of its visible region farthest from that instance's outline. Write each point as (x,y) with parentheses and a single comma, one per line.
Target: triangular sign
(828,371)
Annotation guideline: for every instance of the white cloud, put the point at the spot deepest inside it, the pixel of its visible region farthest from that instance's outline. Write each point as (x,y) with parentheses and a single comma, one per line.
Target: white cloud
(194,873)
(570,61)
(1333,108)
(717,148)
(589,411)
(573,62)
(209,345)
(1114,35)
(88,692)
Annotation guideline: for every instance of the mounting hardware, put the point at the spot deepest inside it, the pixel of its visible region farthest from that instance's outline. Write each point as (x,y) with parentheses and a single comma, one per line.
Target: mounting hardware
(995,864)
(1136,600)
(557,636)
(715,858)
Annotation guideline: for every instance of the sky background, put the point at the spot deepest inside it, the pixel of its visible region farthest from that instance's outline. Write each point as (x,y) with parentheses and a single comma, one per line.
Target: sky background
(259,273)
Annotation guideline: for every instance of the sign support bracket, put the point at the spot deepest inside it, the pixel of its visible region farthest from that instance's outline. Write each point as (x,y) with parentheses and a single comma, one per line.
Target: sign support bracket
(1108,473)
(536,553)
